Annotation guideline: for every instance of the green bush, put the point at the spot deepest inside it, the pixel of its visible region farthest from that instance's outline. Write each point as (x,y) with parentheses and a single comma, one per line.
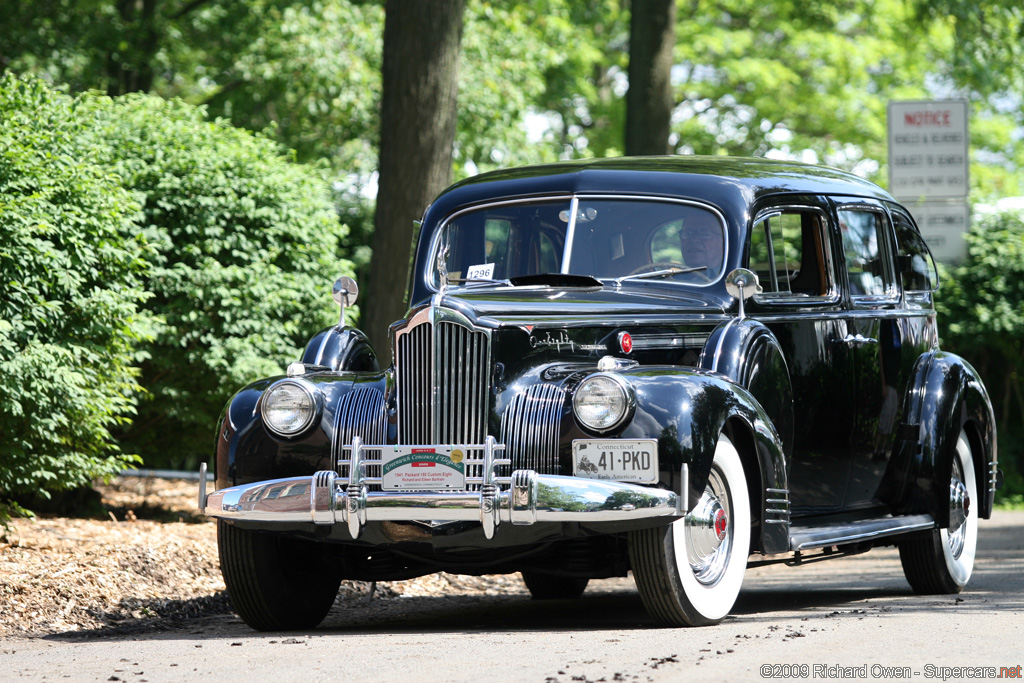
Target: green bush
(981,316)
(246,249)
(70,272)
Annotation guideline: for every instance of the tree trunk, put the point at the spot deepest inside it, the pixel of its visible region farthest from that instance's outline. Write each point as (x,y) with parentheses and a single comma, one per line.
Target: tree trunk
(130,67)
(649,101)
(417,132)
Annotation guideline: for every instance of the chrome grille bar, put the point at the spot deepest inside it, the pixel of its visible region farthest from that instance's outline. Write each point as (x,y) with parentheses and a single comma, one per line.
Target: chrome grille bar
(361,413)
(530,428)
(441,373)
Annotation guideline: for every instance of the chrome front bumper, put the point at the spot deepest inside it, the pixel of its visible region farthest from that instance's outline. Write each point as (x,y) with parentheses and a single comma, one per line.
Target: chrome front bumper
(327,498)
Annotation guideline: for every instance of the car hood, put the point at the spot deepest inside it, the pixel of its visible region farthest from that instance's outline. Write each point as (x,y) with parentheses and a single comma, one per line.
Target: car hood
(630,302)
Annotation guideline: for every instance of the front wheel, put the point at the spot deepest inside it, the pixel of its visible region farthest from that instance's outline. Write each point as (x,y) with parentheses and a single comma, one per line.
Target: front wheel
(942,562)
(690,572)
(276,583)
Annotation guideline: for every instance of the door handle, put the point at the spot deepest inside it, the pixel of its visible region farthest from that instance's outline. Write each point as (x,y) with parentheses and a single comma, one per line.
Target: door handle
(855,340)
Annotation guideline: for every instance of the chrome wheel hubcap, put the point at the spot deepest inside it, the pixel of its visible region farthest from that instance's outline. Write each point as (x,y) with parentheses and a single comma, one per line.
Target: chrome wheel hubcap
(709,532)
(959,509)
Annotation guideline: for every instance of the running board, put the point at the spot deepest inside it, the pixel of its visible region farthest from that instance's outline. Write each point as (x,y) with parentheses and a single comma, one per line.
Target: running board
(809,537)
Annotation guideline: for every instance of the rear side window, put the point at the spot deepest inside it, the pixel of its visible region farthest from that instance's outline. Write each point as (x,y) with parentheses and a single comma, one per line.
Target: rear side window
(787,251)
(863,239)
(914,261)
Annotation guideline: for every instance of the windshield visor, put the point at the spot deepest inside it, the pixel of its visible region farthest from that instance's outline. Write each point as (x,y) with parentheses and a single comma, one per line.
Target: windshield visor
(605,238)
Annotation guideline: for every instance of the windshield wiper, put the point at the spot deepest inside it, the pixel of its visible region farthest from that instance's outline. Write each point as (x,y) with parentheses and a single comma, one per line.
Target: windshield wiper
(479,281)
(658,273)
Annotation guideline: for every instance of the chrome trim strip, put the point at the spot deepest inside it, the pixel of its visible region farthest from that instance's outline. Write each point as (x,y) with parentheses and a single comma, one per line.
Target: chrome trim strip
(644,342)
(806,538)
(570,233)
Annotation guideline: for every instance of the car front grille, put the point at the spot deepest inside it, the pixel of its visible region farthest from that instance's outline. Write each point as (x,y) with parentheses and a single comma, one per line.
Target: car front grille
(530,428)
(441,374)
(361,413)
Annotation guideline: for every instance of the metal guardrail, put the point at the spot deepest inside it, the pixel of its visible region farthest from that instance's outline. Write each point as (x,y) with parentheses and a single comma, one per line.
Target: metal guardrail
(165,474)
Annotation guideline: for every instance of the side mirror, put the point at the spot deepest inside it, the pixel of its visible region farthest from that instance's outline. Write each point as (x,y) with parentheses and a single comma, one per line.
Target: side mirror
(741,285)
(345,293)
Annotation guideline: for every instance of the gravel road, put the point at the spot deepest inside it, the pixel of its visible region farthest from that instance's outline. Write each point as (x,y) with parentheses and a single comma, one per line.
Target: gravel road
(852,618)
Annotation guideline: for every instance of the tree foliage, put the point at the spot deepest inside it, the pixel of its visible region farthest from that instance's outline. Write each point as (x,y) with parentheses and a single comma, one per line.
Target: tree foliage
(981,316)
(245,248)
(71,269)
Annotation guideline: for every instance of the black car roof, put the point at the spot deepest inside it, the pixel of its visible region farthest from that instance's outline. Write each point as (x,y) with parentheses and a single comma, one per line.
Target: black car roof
(713,178)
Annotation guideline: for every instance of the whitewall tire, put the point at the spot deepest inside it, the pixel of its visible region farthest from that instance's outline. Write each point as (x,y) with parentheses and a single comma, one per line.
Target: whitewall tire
(690,572)
(942,562)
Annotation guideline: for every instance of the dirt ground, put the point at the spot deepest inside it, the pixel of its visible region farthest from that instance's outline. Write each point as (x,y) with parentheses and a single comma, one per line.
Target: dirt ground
(151,562)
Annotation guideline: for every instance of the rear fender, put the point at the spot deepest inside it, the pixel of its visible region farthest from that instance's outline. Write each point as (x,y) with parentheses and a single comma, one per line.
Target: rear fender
(945,397)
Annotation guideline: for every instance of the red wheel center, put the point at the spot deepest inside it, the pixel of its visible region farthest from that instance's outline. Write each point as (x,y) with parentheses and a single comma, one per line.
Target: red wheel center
(721,523)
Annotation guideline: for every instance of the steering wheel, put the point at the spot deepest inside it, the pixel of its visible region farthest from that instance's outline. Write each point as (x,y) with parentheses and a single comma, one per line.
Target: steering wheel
(665,265)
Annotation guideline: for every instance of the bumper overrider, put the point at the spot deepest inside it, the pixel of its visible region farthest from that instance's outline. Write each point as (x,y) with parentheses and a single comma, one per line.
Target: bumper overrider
(525,497)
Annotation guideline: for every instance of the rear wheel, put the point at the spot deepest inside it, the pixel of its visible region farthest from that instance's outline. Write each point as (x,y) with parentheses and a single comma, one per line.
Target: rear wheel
(690,572)
(942,562)
(276,583)
(549,587)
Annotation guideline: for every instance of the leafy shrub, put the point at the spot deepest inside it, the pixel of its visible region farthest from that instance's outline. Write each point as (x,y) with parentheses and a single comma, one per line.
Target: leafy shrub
(981,315)
(246,249)
(70,272)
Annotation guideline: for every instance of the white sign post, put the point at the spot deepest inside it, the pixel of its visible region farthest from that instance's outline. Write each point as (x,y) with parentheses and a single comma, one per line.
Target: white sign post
(928,165)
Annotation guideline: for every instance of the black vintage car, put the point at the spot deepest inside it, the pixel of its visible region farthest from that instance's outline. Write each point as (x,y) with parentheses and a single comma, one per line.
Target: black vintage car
(678,367)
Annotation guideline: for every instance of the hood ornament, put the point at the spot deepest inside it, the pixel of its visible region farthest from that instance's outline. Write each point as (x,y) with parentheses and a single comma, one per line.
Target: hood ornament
(442,267)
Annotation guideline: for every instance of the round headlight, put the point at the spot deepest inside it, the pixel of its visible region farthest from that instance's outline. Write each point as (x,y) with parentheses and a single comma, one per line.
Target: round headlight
(602,402)
(290,407)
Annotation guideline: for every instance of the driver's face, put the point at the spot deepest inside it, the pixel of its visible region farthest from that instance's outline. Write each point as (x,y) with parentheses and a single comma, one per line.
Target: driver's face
(702,246)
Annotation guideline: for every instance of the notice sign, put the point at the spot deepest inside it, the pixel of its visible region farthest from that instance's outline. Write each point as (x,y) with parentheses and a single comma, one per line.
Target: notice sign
(928,149)
(437,468)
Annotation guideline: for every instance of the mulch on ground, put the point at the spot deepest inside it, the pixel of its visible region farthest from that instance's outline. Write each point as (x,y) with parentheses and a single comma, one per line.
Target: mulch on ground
(147,560)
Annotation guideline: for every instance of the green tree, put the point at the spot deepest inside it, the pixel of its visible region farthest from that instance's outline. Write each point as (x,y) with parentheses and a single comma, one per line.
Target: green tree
(245,249)
(981,317)
(71,272)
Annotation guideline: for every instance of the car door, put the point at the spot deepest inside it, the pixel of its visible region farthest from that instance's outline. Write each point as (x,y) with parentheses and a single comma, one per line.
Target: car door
(874,334)
(791,249)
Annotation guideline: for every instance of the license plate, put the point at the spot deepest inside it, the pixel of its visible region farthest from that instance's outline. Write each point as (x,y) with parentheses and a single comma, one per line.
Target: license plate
(438,468)
(617,459)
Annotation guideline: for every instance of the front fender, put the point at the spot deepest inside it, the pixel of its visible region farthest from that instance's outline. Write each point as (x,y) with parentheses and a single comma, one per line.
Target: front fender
(341,348)
(686,410)
(246,451)
(748,353)
(945,397)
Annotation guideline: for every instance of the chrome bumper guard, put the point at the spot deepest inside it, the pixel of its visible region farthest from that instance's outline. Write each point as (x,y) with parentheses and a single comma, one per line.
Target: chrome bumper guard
(324,498)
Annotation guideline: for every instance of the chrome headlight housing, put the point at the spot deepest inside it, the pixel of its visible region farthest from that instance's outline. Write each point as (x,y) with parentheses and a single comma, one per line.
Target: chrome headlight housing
(291,406)
(603,401)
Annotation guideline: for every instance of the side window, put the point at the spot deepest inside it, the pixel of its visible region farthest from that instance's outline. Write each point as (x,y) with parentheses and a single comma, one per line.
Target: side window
(914,262)
(863,238)
(787,253)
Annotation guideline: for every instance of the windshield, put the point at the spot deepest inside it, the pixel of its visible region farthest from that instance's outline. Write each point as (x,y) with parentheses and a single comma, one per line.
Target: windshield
(605,238)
